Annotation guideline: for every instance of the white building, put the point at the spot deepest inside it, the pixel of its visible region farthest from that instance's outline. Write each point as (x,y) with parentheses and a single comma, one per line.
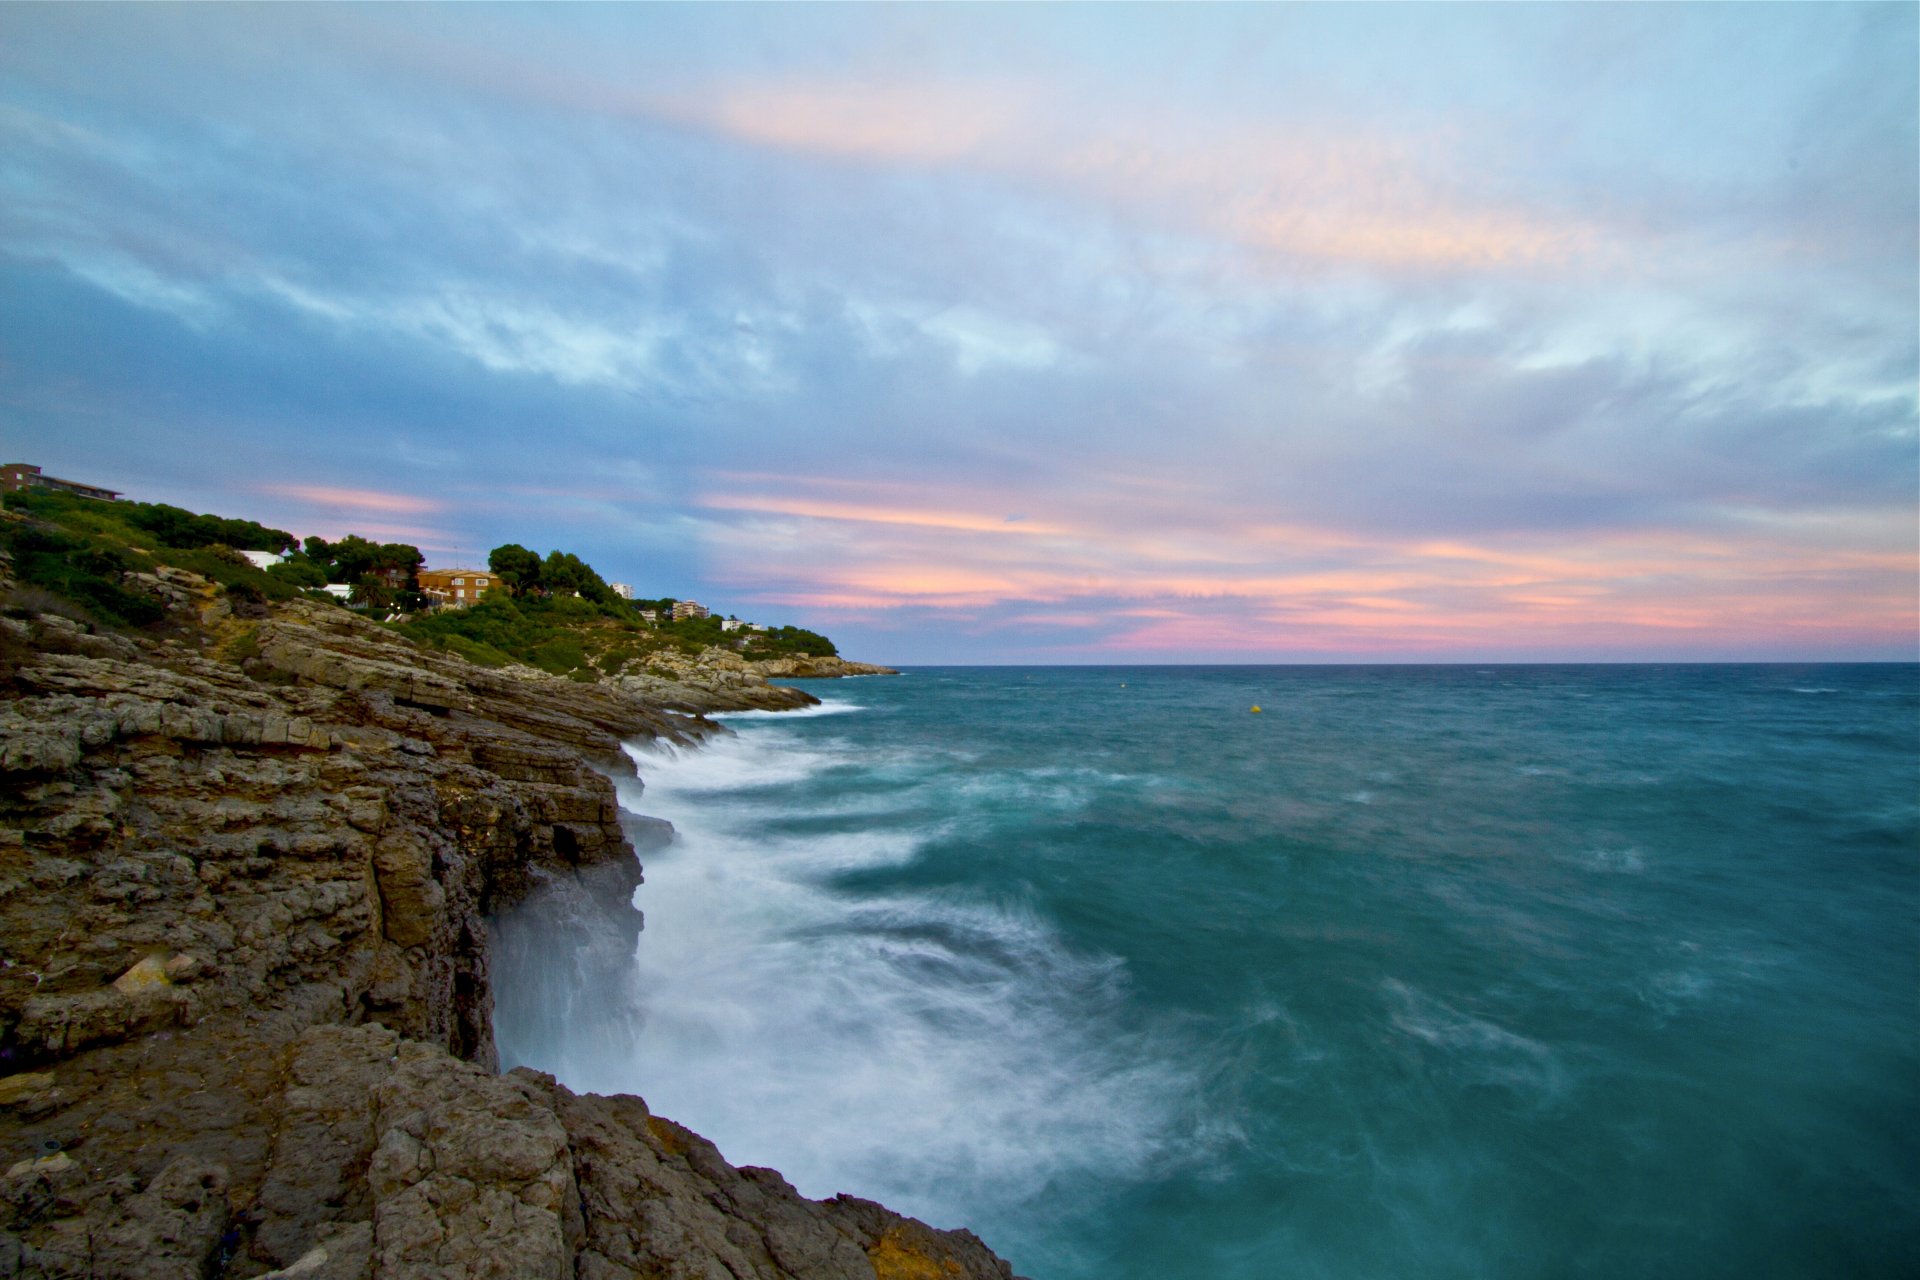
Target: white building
(621,589)
(731,624)
(264,559)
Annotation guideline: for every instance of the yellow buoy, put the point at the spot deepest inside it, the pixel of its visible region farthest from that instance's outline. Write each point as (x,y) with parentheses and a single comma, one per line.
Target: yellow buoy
(1256,711)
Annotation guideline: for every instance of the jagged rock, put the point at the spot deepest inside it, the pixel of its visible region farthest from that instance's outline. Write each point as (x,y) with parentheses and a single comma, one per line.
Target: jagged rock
(803,667)
(470,1174)
(714,681)
(168,1230)
(245,993)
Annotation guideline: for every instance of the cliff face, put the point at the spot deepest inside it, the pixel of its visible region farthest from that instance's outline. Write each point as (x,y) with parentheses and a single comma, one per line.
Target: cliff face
(244,991)
(721,680)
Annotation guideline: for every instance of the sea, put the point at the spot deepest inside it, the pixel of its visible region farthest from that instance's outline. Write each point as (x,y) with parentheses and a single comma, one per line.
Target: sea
(1261,972)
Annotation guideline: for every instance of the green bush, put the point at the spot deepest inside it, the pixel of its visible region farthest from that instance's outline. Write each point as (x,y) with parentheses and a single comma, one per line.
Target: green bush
(784,642)
(72,567)
(175,527)
(474,651)
(300,572)
(561,654)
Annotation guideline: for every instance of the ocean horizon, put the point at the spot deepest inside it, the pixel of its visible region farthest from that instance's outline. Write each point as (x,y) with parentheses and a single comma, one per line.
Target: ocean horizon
(1474,969)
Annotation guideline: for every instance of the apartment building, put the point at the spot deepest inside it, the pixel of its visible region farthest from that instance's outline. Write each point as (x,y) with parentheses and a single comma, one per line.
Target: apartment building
(457,588)
(15,476)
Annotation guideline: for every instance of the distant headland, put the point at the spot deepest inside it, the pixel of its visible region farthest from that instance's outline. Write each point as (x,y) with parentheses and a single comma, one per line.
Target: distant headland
(252,839)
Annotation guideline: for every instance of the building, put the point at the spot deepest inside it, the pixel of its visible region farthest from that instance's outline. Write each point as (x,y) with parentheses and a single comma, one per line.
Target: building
(731,624)
(651,615)
(688,609)
(264,559)
(457,588)
(15,476)
(621,589)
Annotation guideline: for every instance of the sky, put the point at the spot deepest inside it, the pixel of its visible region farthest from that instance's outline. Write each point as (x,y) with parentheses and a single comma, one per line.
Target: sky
(1012,333)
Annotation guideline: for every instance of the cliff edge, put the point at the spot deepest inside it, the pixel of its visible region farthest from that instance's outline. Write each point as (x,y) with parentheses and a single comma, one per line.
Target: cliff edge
(246,864)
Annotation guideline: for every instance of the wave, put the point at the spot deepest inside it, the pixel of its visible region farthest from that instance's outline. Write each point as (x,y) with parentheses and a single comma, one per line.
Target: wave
(823,708)
(1475,1049)
(1621,860)
(944,1052)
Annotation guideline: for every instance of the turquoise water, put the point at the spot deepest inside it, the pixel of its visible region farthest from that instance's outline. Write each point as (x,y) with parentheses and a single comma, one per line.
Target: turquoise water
(1444,971)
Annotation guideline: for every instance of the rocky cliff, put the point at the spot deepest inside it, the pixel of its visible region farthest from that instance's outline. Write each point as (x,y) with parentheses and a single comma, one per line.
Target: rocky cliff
(720,680)
(246,867)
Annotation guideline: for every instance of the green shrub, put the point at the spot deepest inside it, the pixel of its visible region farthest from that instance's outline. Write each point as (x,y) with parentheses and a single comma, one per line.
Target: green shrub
(87,574)
(561,654)
(474,651)
(299,573)
(175,527)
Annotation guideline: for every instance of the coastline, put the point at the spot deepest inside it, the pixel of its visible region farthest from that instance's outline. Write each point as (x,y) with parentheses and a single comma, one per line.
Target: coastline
(246,998)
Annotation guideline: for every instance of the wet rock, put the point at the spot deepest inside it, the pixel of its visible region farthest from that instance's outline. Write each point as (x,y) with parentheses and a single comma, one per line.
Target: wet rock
(246,1007)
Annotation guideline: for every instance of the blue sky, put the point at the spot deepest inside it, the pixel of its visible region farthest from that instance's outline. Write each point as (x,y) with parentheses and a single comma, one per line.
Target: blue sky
(1012,333)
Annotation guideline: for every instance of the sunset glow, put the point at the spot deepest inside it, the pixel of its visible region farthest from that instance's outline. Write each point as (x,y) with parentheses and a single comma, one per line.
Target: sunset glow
(1013,333)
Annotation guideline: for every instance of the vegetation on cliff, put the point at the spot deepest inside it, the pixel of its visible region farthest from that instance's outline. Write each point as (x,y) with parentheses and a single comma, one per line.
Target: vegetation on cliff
(578,637)
(245,974)
(91,553)
(558,615)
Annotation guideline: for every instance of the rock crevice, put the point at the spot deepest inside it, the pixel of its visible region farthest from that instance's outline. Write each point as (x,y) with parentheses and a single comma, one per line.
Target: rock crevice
(245,993)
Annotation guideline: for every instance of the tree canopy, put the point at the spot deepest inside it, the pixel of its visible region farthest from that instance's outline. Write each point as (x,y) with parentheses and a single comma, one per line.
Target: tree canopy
(354,558)
(177,527)
(562,573)
(516,566)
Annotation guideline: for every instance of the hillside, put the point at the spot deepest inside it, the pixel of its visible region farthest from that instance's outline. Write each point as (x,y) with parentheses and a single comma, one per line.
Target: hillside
(106,563)
(249,850)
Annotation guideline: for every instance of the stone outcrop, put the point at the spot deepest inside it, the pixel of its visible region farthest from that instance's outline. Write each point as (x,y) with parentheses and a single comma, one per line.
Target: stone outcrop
(246,872)
(721,680)
(808,668)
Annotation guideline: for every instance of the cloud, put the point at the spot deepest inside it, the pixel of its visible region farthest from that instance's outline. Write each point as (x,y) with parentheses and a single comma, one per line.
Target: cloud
(355,499)
(867,514)
(875,121)
(1304,342)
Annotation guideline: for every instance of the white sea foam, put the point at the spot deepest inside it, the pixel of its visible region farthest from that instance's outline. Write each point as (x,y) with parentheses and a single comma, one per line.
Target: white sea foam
(825,707)
(1061,790)
(945,1054)
(1476,1048)
(1626,860)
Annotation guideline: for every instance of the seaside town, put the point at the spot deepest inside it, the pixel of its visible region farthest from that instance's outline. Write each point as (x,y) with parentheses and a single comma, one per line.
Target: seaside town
(392,580)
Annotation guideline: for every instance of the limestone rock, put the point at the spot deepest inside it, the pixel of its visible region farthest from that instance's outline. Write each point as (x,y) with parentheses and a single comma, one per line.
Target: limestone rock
(150,974)
(247,914)
(803,667)
(168,1230)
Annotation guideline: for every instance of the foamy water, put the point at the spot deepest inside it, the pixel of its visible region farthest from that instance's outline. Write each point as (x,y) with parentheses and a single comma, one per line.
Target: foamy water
(1422,972)
(946,1054)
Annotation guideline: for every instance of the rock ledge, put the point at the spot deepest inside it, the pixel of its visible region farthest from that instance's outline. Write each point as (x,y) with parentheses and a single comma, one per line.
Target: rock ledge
(245,997)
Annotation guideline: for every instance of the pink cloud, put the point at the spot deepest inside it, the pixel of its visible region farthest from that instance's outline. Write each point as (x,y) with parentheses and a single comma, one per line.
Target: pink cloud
(1229,587)
(866,513)
(1311,192)
(879,121)
(355,499)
